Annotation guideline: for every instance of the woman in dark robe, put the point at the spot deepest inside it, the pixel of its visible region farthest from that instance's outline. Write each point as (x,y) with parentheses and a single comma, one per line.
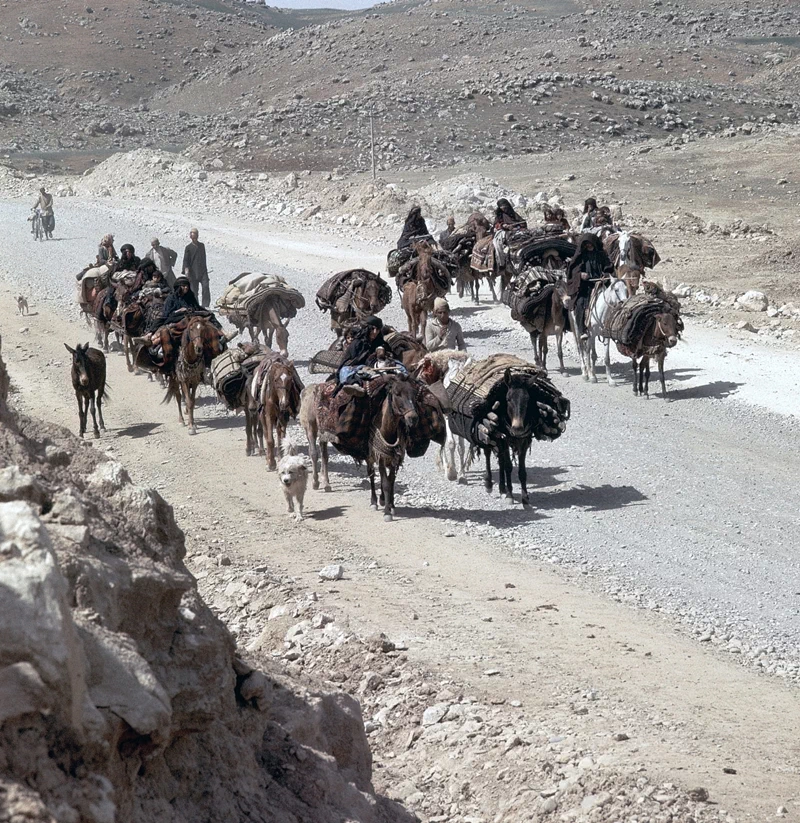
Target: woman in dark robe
(589,265)
(414,226)
(506,218)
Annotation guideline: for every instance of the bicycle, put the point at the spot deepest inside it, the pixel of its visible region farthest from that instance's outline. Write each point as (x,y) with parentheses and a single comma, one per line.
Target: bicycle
(37,227)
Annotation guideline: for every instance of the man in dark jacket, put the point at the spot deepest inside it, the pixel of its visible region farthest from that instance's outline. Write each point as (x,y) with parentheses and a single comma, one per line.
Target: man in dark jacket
(195,268)
(181,300)
(128,261)
(589,265)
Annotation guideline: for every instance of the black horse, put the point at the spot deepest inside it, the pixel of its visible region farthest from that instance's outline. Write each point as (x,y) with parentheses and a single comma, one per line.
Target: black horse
(89,382)
(525,409)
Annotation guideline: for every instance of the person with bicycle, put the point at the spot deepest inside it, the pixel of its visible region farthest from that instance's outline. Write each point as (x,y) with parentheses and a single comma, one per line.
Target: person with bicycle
(45,206)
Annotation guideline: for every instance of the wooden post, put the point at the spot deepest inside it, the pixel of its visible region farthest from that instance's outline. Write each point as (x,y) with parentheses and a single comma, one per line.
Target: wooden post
(372,140)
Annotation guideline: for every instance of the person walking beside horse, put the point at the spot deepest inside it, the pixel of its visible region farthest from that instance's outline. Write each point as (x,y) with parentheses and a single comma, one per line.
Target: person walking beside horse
(195,267)
(45,205)
(442,332)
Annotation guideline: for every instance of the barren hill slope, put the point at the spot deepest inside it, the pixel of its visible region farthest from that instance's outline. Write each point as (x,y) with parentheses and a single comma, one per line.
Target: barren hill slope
(449,81)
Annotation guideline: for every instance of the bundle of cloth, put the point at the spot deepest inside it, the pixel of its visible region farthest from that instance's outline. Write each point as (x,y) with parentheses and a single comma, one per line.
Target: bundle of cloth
(246,294)
(528,291)
(355,293)
(626,323)
(232,369)
(354,420)
(535,251)
(477,389)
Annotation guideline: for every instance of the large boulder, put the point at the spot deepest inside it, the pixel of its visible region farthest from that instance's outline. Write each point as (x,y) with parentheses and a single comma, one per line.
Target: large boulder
(753,300)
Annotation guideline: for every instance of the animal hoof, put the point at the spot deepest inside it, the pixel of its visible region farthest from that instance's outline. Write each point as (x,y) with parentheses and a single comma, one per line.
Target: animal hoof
(525,500)
(327,488)
(586,377)
(374,506)
(462,481)
(192,430)
(96,435)
(387,518)
(272,467)
(594,379)
(315,484)
(451,474)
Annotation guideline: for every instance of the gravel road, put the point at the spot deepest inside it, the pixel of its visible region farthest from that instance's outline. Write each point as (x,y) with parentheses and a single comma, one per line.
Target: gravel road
(688,507)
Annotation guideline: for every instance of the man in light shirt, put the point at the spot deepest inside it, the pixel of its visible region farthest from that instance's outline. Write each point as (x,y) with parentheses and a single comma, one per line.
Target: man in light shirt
(442,332)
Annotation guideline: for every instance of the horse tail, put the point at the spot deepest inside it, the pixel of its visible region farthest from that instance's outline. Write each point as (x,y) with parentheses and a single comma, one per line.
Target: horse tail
(173,390)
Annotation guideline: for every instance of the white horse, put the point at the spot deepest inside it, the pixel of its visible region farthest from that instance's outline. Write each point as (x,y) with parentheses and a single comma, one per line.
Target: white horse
(612,295)
(446,456)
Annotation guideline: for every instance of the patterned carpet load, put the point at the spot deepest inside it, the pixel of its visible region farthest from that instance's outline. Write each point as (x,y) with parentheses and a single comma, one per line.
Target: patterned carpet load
(476,388)
(627,323)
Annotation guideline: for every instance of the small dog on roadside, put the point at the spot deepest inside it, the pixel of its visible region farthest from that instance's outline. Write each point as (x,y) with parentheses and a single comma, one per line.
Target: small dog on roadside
(22,305)
(293,475)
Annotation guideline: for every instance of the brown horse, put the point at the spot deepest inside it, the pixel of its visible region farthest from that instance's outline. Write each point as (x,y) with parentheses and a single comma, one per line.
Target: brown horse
(661,334)
(89,382)
(398,414)
(361,299)
(104,305)
(631,253)
(550,321)
(201,342)
(277,387)
(424,283)
(317,433)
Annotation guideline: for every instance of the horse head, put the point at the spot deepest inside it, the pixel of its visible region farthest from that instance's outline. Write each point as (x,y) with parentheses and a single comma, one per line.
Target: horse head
(667,329)
(402,400)
(517,404)
(282,383)
(80,363)
(196,337)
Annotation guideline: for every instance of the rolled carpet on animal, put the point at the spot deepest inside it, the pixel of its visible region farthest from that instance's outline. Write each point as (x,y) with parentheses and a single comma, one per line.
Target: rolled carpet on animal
(476,388)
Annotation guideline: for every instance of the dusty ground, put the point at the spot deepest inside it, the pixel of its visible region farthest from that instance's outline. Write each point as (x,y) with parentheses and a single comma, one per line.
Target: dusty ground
(682,508)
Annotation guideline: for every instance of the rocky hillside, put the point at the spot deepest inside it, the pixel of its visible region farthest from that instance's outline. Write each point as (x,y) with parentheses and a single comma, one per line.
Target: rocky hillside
(450,81)
(121,694)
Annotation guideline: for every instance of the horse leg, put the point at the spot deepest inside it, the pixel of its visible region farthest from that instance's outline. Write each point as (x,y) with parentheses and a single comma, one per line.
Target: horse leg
(373,499)
(635,376)
(523,475)
(646,368)
(386,490)
(487,478)
(269,437)
(560,349)
(391,474)
(249,434)
(191,394)
(449,449)
(543,349)
(534,335)
(313,453)
(326,483)
(660,361)
(476,289)
(504,463)
(591,357)
(100,411)
(423,322)
(609,376)
(95,430)
(462,459)
(81,415)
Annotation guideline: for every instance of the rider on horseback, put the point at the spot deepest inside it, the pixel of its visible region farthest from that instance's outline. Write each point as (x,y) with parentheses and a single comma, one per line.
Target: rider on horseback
(368,339)
(589,266)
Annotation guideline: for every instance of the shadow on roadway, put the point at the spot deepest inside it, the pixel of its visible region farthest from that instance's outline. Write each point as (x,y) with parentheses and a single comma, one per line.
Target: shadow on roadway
(327,514)
(138,430)
(718,390)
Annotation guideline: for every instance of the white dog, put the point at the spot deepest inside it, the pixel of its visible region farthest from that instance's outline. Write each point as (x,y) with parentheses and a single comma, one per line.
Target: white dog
(293,474)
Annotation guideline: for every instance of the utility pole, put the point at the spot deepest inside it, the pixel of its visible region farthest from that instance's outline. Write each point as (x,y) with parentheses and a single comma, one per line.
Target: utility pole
(372,140)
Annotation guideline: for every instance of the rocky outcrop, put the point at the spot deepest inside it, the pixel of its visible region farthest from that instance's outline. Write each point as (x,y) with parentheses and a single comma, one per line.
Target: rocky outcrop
(121,695)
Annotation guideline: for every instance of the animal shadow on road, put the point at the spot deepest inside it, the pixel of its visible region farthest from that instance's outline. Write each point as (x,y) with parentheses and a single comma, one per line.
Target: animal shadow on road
(138,430)
(481,334)
(718,390)
(233,421)
(467,311)
(327,514)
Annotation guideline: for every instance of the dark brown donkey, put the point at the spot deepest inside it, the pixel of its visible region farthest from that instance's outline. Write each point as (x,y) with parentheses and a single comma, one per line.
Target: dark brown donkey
(661,334)
(89,382)
(276,387)
(200,344)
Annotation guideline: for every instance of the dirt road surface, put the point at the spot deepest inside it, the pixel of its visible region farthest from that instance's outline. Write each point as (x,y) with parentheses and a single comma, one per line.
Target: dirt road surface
(686,509)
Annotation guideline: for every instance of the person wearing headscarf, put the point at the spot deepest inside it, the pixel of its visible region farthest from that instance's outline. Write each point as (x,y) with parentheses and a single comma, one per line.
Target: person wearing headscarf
(367,340)
(182,299)
(589,265)
(451,227)
(105,251)
(415,226)
(128,260)
(555,218)
(441,331)
(589,210)
(164,259)
(505,219)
